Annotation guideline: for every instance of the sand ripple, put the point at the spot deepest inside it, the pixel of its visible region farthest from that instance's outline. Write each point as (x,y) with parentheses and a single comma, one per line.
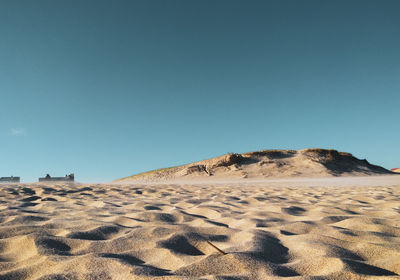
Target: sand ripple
(231,231)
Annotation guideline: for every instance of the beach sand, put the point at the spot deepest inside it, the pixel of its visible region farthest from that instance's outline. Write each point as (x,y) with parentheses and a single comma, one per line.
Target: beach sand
(282,229)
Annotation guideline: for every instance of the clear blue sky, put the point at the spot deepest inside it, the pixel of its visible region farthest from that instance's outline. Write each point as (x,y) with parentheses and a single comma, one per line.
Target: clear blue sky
(107,89)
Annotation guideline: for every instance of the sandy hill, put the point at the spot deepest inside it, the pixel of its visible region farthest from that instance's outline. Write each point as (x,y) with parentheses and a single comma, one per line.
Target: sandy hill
(267,164)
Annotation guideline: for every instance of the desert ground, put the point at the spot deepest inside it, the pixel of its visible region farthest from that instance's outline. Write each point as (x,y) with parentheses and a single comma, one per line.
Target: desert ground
(330,228)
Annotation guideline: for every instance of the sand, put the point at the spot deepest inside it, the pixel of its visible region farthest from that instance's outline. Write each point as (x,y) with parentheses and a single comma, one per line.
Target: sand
(266,164)
(288,229)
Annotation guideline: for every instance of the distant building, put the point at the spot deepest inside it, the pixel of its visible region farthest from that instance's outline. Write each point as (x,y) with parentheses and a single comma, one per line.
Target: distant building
(11,179)
(397,170)
(68,178)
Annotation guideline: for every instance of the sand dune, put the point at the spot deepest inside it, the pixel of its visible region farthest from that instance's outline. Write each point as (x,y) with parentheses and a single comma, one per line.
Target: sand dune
(204,231)
(266,164)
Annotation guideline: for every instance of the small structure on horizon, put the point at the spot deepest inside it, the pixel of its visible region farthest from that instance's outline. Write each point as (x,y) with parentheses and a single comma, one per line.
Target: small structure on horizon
(11,179)
(397,170)
(68,178)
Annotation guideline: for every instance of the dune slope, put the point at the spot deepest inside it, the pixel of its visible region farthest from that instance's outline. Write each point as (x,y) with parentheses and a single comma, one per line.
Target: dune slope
(268,164)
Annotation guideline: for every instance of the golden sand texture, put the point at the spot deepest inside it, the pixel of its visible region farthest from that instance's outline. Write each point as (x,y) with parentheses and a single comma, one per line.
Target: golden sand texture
(211,231)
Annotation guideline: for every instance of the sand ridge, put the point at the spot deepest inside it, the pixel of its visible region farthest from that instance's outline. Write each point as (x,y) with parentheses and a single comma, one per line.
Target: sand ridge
(203,231)
(266,164)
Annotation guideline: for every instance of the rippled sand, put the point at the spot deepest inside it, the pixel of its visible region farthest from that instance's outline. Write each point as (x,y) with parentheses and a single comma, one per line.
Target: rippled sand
(206,231)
